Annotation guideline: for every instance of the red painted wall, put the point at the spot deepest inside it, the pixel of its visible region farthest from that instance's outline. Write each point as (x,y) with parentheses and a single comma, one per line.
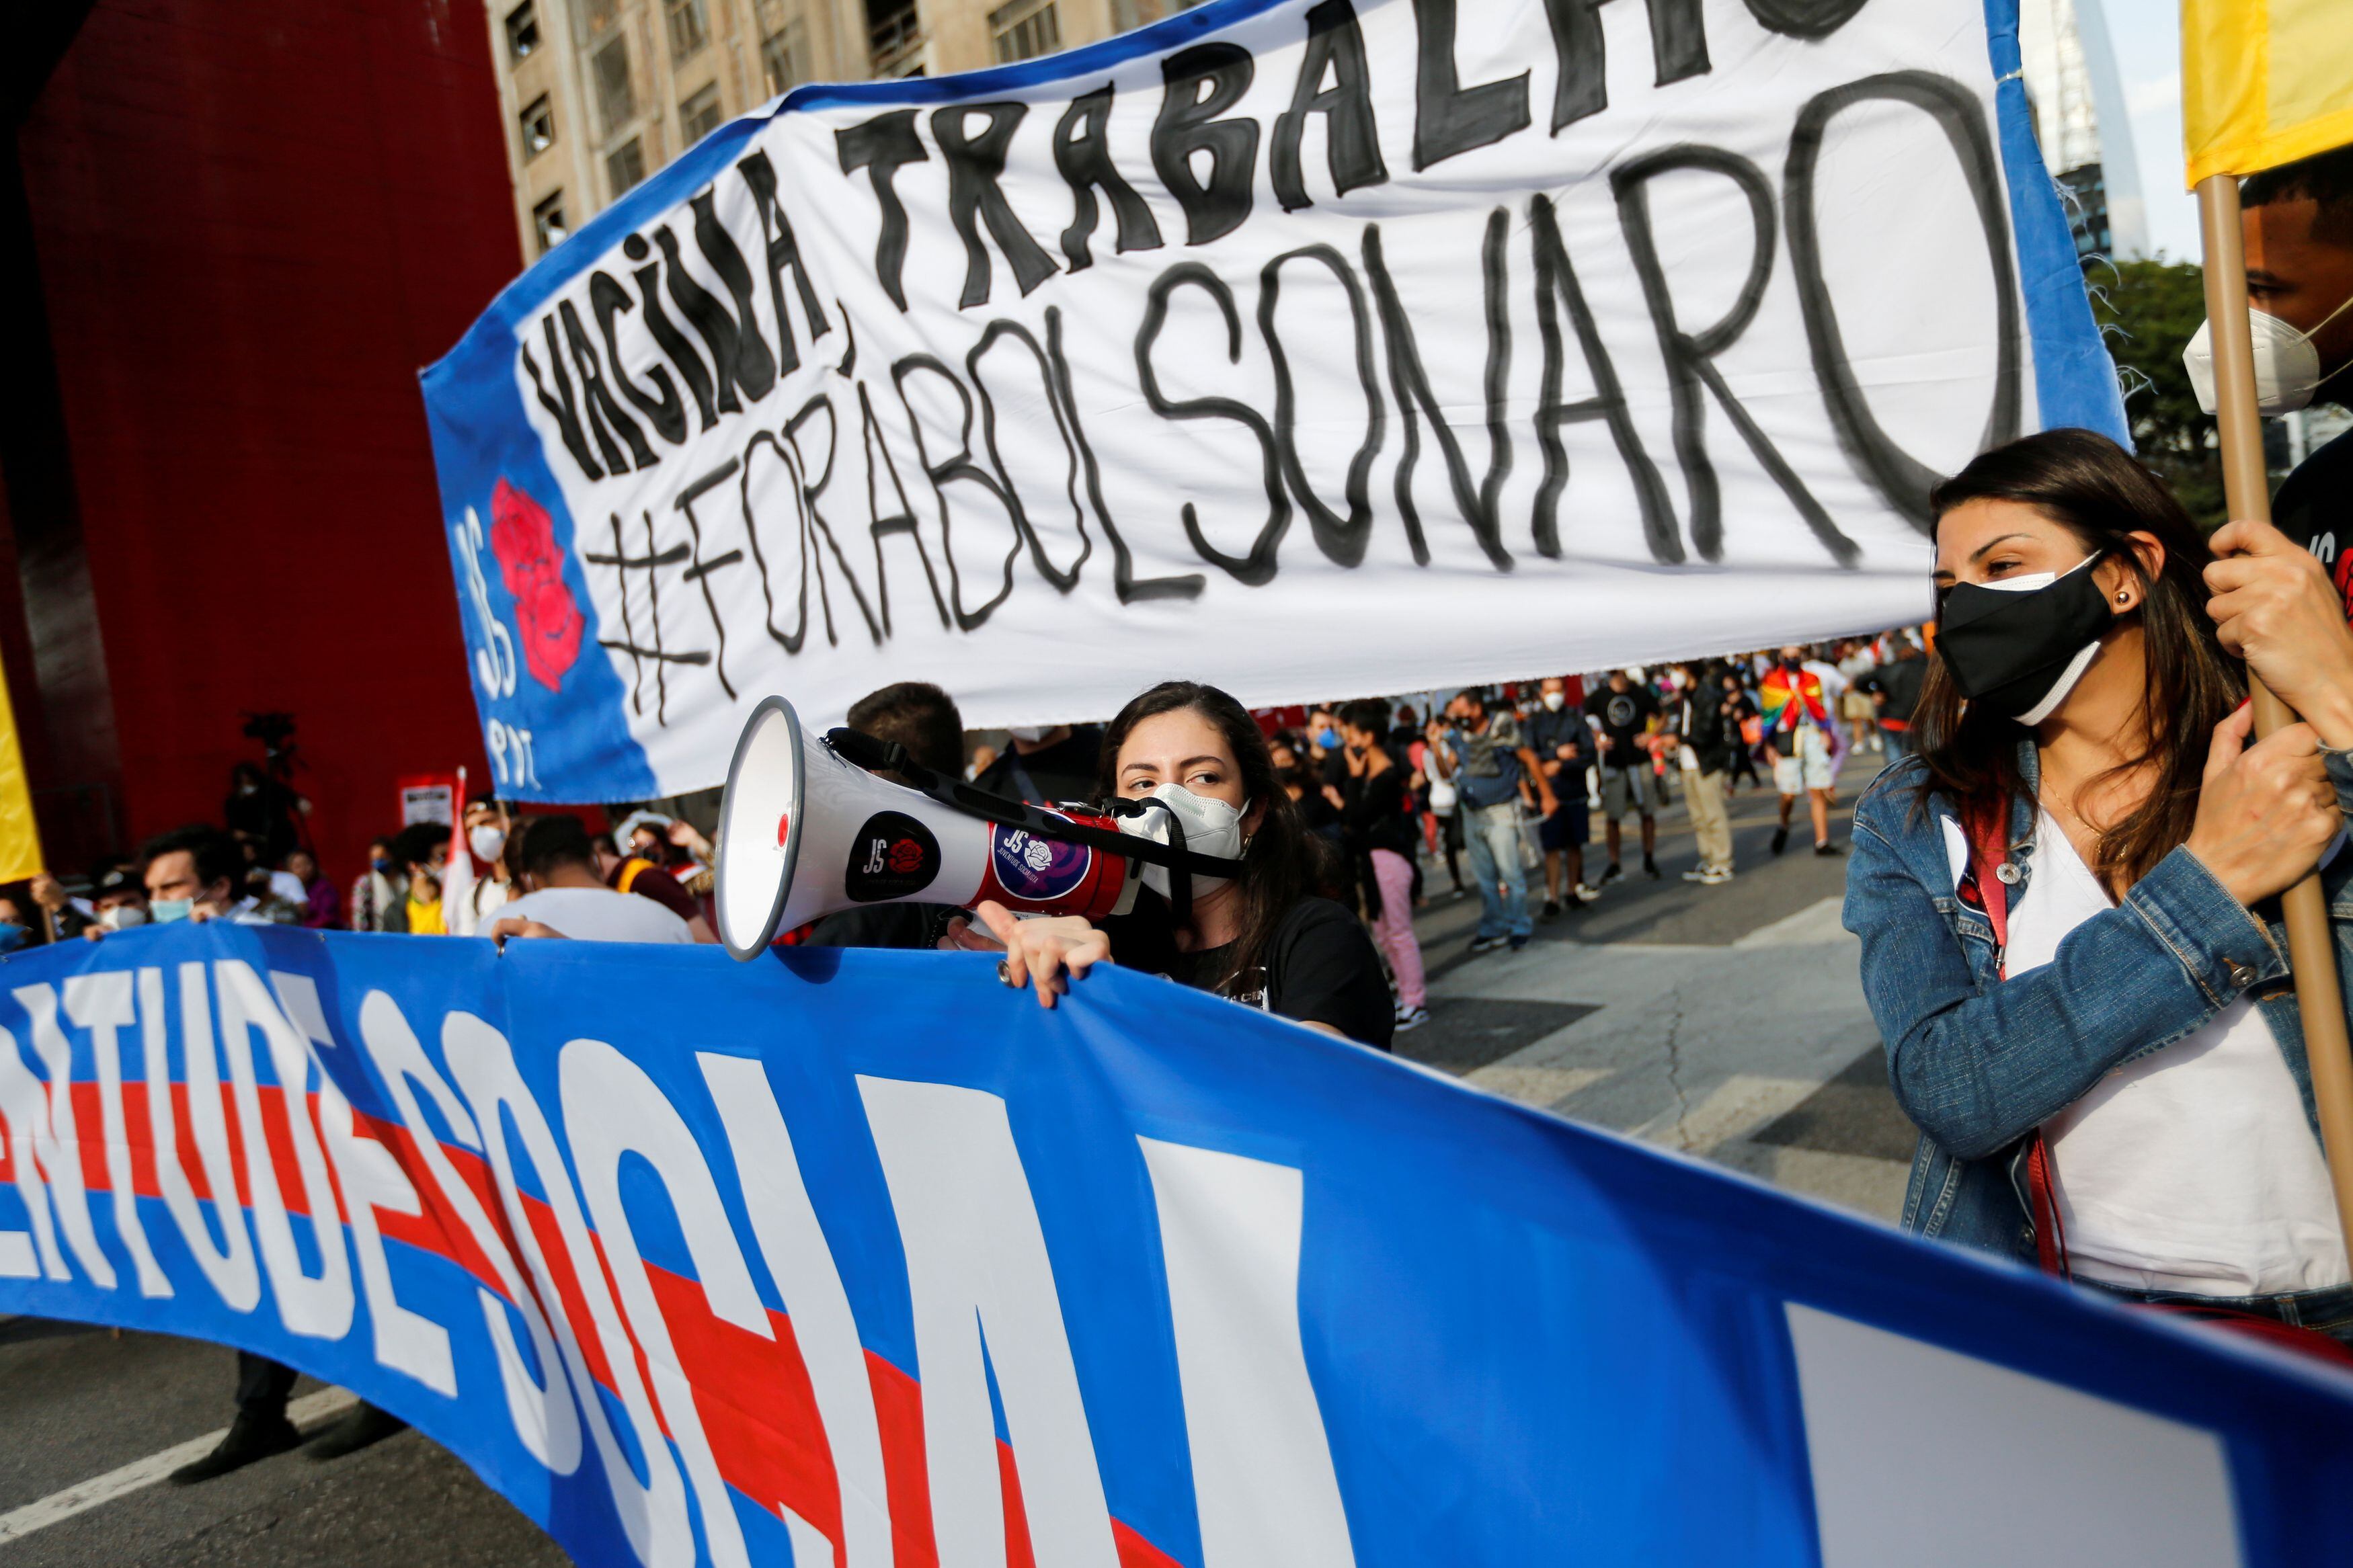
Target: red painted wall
(255,221)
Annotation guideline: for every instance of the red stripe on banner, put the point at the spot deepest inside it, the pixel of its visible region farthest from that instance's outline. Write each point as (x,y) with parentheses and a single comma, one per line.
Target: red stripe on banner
(753,1395)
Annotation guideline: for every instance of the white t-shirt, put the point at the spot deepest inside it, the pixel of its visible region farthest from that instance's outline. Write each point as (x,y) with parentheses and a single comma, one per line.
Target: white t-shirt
(595,914)
(2194,1168)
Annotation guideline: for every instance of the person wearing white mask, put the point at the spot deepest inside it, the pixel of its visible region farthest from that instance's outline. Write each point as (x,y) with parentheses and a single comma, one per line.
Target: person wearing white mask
(472,899)
(2297,223)
(1264,939)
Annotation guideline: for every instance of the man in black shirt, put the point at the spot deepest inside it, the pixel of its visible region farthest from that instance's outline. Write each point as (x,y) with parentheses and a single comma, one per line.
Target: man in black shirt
(1556,732)
(1895,690)
(1043,766)
(2298,225)
(1622,713)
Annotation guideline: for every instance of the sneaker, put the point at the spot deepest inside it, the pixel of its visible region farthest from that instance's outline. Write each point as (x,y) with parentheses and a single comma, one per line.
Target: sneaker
(1479,944)
(252,1437)
(1781,839)
(1696,874)
(1414,1019)
(364,1425)
(1827,849)
(1551,910)
(1649,868)
(1611,872)
(1518,943)
(1587,895)
(1717,876)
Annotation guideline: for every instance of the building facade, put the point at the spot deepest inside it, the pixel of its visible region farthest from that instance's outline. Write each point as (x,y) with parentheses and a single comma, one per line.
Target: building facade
(594,95)
(2080,119)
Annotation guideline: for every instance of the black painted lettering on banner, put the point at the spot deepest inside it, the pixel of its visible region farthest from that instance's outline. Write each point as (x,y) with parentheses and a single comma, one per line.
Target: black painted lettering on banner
(596,401)
(976,195)
(1805,18)
(1257,567)
(664,409)
(700,569)
(887,525)
(1691,356)
(673,342)
(783,251)
(946,471)
(744,358)
(645,650)
(1678,51)
(1449,118)
(813,490)
(790,641)
(1063,578)
(881,146)
(1082,153)
(1202,83)
(1678,40)
(1556,285)
(1185,586)
(1352,141)
(561,404)
(718,329)
(1895,473)
(1343,540)
(1481,505)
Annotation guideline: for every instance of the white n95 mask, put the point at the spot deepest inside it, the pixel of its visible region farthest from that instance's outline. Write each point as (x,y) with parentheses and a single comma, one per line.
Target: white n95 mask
(2287,367)
(1211,828)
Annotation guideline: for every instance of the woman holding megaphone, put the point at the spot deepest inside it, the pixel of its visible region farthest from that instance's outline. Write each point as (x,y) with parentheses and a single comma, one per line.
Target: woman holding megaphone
(1264,938)
(2068,899)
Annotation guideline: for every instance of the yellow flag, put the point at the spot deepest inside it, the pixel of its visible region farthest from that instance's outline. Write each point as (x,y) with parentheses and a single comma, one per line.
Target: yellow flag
(2264,82)
(20,840)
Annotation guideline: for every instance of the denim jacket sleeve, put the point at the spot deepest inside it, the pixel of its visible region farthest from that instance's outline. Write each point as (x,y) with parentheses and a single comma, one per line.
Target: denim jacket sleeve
(1977,1068)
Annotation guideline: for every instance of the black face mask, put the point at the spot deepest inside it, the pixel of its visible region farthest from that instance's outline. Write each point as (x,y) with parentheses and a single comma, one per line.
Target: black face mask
(2019,651)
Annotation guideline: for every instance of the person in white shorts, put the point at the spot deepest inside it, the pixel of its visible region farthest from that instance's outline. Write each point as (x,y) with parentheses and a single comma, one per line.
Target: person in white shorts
(1797,701)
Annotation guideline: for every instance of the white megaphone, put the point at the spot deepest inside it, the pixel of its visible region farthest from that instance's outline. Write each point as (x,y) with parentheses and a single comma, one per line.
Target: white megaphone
(804,830)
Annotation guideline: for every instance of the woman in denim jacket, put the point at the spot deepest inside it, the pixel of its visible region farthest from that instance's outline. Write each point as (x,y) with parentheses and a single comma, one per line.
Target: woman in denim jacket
(2132,1058)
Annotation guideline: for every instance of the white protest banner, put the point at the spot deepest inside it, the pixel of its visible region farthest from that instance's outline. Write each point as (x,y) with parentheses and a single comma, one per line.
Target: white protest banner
(1308,349)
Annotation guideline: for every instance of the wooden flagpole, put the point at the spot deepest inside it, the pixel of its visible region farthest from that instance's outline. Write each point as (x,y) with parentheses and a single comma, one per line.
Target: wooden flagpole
(2246,487)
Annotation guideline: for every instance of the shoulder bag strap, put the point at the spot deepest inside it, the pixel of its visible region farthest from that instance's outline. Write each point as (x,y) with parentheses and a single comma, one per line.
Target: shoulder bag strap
(1985,823)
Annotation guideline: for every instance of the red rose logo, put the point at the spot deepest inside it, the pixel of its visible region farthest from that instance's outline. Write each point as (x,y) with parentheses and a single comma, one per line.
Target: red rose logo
(906,856)
(2343,577)
(522,537)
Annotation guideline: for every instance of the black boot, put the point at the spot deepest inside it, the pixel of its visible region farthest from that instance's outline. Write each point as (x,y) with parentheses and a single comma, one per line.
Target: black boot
(252,1437)
(364,1425)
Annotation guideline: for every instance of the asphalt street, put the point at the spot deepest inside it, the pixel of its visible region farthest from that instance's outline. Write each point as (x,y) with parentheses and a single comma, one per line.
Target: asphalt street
(1724,1022)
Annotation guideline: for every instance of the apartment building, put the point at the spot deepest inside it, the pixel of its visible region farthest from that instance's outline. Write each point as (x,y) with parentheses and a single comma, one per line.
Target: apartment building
(597,94)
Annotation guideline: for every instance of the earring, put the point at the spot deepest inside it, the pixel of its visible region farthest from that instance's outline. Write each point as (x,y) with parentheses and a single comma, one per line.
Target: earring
(2124,595)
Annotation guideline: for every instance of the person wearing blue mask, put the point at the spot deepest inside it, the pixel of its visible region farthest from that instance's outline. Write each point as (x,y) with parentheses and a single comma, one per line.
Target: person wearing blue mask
(192,874)
(15,931)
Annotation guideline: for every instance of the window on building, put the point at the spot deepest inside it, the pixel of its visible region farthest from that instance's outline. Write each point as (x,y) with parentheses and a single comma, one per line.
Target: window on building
(614,100)
(784,57)
(626,165)
(1023,30)
(689,30)
(698,115)
(547,222)
(522,30)
(538,127)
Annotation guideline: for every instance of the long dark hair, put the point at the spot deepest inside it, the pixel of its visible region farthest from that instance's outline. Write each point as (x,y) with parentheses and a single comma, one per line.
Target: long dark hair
(1279,863)
(2094,490)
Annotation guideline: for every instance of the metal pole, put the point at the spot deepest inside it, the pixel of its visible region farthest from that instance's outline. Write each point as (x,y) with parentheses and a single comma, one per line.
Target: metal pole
(2246,487)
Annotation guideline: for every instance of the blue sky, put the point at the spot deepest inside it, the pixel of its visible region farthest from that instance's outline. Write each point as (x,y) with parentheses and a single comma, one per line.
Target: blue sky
(2147,35)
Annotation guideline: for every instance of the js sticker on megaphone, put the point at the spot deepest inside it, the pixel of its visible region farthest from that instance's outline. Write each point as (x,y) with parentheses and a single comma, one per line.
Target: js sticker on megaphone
(1028,866)
(892,857)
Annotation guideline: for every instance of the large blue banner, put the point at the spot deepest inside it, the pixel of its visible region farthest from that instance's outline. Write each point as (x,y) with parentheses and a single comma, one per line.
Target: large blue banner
(1564,335)
(858,1258)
